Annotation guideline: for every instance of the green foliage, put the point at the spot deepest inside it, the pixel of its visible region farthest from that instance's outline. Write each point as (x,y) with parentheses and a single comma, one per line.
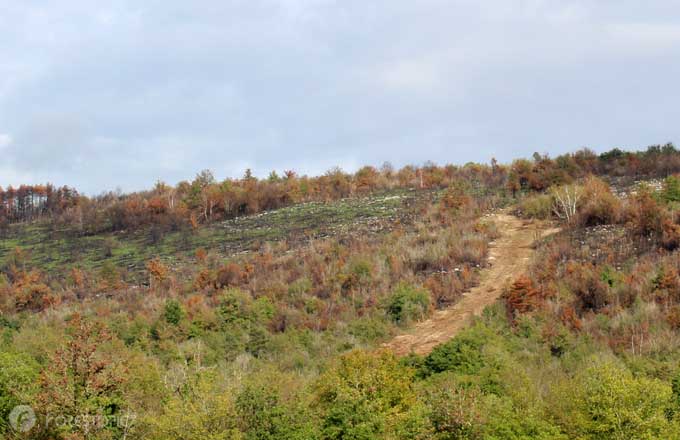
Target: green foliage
(610,276)
(173,312)
(454,412)
(18,375)
(109,273)
(462,354)
(262,415)
(407,304)
(299,287)
(538,206)
(671,189)
(235,307)
(263,310)
(204,412)
(368,329)
(367,396)
(505,421)
(258,341)
(610,403)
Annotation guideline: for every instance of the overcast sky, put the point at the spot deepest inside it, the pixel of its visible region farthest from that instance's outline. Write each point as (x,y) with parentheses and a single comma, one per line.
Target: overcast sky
(112,94)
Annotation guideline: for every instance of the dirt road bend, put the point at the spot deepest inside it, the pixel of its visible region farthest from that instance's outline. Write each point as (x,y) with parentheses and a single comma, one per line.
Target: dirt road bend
(509,256)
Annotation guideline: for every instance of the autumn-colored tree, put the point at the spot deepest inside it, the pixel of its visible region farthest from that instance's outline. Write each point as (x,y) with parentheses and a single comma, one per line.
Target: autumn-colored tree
(30,292)
(158,272)
(201,255)
(522,296)
(229,275)
(80,388)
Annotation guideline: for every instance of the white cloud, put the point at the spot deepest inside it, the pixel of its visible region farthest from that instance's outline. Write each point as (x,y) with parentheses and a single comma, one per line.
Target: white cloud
(5,140)
(645,36)
(411,76)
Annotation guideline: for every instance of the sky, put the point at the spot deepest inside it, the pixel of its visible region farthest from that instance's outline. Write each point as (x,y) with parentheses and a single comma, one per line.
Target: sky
(120,94)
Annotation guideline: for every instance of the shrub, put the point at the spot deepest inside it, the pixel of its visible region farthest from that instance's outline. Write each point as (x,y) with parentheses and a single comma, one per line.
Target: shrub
(522,297)
(645,215)
(599,206)
(204,412)
(407,303)
(507,420)
(536,206)
(173,313)
(229,275)
(589,285)
(258,341)
(671,189)
(235,308)
(462,354)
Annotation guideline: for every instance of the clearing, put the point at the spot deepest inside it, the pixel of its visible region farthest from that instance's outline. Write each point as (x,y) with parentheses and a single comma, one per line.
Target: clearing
(53,251)
(509,256)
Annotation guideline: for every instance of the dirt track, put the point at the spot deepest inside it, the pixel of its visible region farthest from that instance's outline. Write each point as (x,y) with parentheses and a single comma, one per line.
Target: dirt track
(509,256)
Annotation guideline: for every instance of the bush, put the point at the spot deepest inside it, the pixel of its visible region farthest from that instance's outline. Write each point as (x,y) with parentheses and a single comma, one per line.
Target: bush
(671,189)
(235,308)
(229,275)
(173,312)
(462,354)
(590,286)
(522,297)
(599,206)
(645,215)
(537,206)
(407,303)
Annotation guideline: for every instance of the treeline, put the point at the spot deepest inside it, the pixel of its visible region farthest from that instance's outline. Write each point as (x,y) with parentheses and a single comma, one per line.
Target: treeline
(205,199)
(30,202)
(543,172)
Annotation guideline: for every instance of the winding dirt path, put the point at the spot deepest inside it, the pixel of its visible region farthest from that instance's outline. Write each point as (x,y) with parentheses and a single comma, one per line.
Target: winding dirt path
(509,256)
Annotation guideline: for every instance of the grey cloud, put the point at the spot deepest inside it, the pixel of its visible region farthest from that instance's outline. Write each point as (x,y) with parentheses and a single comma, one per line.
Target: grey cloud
(123,94)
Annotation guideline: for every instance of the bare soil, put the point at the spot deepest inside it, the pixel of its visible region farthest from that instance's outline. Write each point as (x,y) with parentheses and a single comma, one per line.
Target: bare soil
(509,256)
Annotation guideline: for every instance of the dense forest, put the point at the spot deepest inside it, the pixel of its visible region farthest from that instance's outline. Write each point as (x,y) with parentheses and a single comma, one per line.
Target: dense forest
(282,336)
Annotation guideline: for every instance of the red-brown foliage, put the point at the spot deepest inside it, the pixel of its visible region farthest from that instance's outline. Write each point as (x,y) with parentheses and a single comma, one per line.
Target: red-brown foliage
(522,296)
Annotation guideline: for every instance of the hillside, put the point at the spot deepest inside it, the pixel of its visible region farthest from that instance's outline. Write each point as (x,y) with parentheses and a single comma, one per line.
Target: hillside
(51,249)
(509,254)
(534,300)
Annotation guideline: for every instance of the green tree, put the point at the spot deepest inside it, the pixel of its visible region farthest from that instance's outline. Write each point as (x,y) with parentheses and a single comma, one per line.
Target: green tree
(203,411)
(610,403)
(671,189)
(263,415)
(367,396)
(173,313)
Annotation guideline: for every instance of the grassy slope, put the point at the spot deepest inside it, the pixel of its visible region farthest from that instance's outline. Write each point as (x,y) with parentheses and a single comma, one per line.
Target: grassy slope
(52,252)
